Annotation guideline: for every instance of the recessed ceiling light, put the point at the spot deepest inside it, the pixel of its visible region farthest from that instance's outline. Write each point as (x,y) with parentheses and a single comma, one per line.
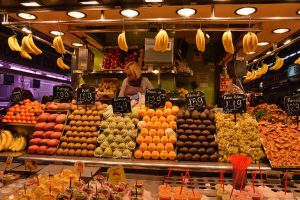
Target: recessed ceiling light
(26,30)
(56,33)
(298,12)
(252,52)
(263,43)
(286,42)
(129,13)
(269,52)
(207,35)
(254,60)
(77,44)
(26,16)
(186,12)
(76,14)
(30,4)
(89,2)
(154,1)
(281,30)
(245,11)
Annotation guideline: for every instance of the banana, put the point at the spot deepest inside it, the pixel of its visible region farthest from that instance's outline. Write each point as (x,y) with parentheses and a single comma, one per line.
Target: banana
(122,41)
(9,137)
(13,43)
(60,63)
(13,143)
(24,54)
(265,68)
(200,40)
(245,46)
(250,42)
(297,62)
(55,45)
(3,141)
(58,45)
(161,41)
(16,43)
(26,45)
(16,143)
(23,144)
(36,50)
(227,42)
(278,64)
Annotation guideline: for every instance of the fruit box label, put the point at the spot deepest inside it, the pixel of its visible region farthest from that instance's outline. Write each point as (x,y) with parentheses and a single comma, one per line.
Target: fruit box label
(234,103)
(62,94)
(155,98)
(292,105)
(86,95)
(195,100)
(116,175)
(121,105)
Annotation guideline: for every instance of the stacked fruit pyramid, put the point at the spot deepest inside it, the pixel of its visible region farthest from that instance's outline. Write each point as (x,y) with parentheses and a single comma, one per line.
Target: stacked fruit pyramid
(157,137)
(9,142)
(117,138)
(47,133)
(81,132)
(196,140)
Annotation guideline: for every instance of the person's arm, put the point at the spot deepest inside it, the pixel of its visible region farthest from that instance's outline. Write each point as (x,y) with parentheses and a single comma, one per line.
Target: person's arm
(123,87)
(148,84)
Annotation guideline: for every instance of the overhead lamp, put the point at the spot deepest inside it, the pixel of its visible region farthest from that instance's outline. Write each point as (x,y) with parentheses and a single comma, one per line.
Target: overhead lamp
(25,70)
(281,30)
(89,2)
(30,4)
(246,11)
(129,13)
(76,14)
(26,16)
(56,77)
(252,52)
(155,71)
(154,1)
(286,42)
(263,43)
(26,30)
(207,35)
(56,33)
(77,44)
(186,12)
(254,60)
(298,12)
(269,52)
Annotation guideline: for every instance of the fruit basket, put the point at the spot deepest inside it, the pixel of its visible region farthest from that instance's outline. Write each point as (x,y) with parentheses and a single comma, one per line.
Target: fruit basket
(107,88)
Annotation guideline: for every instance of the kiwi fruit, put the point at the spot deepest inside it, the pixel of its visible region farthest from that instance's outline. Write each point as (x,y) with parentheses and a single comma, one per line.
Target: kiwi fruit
(63,145)
(180,144)
(180,131)
(210,138)
(59,151)
(197,144)
(201,138)
(74,128)
(204,158)
(211,128)
(90,147)
(183,150)
(90,153)
(203,116)
(192,138)
(84,153)
(69,133)
(183,138)
(186,114)
(188,144)
(189,121)
(77,146)
(211,116)
(83,140)
(180,114)
(71,152)
(213,144)
(207,122)
(188,157)
(205,144)
(67,127)
(210,151)
(196,132)
(196,157)
(193,150)
(180,156)
(213,157)
(70,145)
(64,138)
(197,121)
(78,152)
(184,126)
(201,127)
(195,114)
(65,152)
(180,121)
(80,128)
(205,133)
(84,146)
(89,140)
(188,132)
(201,151)
(72,123)
(193,126)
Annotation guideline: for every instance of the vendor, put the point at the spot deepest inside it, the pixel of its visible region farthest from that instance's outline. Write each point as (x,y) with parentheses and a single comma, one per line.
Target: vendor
(134,83)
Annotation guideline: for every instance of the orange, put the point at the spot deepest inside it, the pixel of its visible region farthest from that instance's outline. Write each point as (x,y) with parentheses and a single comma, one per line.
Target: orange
(172,139)
(143,147)
(173,125)
(164,155)
(138,154)
(142,112)
(151,147)
(164,140)
(11,110)
(139,139)
(168,104)
(172,155)
(154,119)
(10,113)
(169,147)
(152,132)
(147,155)
(18,109)
(148,140)
(162,119)
(175,110)
(160,147)
(151,112)
(146,118)
(167,112)
(156,139)
(159,113)
(157,125)
(160,132)
(155,155)
(171,118)
(165,125)
(4,120)
(144,132)
(149,125)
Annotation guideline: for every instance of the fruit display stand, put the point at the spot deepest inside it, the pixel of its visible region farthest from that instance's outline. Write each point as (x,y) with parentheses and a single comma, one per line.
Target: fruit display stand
(21,129)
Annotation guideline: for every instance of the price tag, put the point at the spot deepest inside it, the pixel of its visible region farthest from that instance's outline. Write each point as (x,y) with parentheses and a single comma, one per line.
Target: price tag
(16,96)
(292,105)
(234,103)
(116,175)
(79,167)
(155,98)
(121,105)
(62,94)
(86,95)
(195,100)
(8,162)
(30,165)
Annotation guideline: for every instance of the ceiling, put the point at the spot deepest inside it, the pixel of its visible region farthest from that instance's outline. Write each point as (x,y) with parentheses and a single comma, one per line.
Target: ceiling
(106,18)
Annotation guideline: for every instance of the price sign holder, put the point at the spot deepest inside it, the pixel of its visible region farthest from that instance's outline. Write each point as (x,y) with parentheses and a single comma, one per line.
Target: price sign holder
(155,98)
(79,167)
(30,165)
(195,100)
(62,93)
(8,162)
(121,105)
(86,96)
(292,106)
(116,175)
(234,103)
(16,96)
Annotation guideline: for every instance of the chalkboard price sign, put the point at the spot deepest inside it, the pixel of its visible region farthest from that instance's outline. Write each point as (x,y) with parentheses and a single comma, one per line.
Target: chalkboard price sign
(155,98)
(292,105)
(86,96)
(234,103)
(62,93)
(16,96)
(121,105)
(195,100)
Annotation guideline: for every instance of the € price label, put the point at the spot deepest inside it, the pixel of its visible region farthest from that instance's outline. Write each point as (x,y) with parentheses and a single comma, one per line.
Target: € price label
(116,175)
(30,165)
(62,94)
(195,100)
(155,98)
(86,95)
(8,162)
(234,103)
(79,167)
(292,105)
(121,105)
(16,96)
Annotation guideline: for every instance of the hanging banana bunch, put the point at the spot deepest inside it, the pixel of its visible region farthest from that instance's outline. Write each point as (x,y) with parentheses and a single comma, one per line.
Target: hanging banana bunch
(161,41)
(29,46)
(13,43)
(60,63)
(256,74)
(122,42)
(297,62)
(250,42)
(200,40)
(278,64)
(227,42)
(58,45)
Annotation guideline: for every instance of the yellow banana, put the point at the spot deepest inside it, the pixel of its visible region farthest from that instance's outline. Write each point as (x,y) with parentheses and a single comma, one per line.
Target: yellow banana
(250,42)
(265,68)
(23,144)
(24,54)
(297,62)
(3,141)
(200,40)
(60,63)
(278,64)
(13,43)
(122,41)
(245,45)
(227,42)
(36,50)
(60,43)
(26,45)
(161,41)
(56,47)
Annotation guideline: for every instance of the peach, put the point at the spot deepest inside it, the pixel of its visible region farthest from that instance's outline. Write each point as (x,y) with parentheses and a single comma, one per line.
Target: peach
(144,132)
(164,140)
(148,139)
(146,155)
(139,139)
(164,155)
(160,132)
(155,155)
(151,112)
(152,132)
(149,125)
(154,119)
(169,147)
(159,113)
(143,147)
(172,155)
(167,112)
(138,154)
(146,118)
(162,119)
(156,139)
(160,147)
(151,147)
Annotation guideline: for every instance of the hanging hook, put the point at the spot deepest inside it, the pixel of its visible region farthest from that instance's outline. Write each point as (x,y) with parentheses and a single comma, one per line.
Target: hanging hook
(249,23)
(58,24)
(14,31)
(276,54)
(123,24)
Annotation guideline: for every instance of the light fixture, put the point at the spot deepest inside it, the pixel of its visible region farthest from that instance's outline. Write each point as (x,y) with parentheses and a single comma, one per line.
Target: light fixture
(155,71)
(76,14)
(298,12)
(269,52)
(245,11)
(89,2)
(281,30)
(56,33)
(129,13)
(56,77)
(286,42)
(207,35)
(77,44)
(252,52)
(254,60)
(263,43)
(26,16)
(26,30)
(30,4)
(25,70)
(186,12)
(154,1)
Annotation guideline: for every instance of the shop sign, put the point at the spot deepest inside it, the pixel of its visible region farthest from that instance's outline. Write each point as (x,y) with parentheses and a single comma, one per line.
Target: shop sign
(234,103)
(292,105)
(116,175)
(62,94)
(121,105)
(155,98)
(86,96)
(195,100)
